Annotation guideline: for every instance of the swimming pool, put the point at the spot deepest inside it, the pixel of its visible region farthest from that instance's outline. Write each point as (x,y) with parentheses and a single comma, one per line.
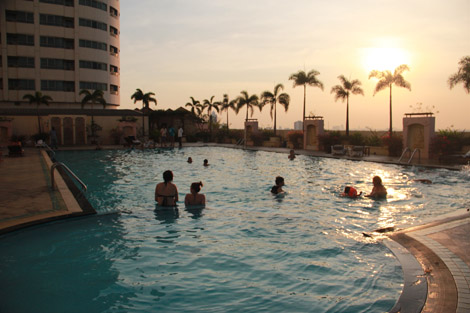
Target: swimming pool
(247,251)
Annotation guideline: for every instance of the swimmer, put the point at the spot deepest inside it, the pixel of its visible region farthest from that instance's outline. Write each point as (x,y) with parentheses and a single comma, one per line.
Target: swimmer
(350,192)
(424,181)
(166,193)
(195,198)
(206,163)
(276,189)
(291,155)
(190,160)
(379,191)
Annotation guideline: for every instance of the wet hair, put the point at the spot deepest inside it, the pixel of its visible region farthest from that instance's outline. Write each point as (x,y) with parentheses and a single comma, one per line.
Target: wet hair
(279,180)
(167,176)
(190,159)
(196,186)
(346,189)
(206,161)
(377,180)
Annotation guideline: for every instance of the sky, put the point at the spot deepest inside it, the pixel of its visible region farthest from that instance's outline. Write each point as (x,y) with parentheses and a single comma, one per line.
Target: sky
(202,48)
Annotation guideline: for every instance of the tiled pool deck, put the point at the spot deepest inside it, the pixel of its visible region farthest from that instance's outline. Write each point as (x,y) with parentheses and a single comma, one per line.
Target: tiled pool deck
(441,248)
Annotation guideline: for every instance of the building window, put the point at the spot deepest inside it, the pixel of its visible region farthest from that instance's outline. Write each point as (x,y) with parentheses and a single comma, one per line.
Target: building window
(113,50)
(113,12)
(1,83)
(93,44)
(113,89)
(93,65)
(21,84)
(56,20)
(15,61)
(19,16)
(114,70)
(20,39)
(56,42)
(57,85)
(92,24)
(94,4)
(113,31)
(67,3)
(94,86)
(57,64)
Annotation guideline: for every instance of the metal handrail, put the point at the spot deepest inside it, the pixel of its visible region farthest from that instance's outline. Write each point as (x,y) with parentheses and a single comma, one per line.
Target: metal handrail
(403,154)
(56,164)
(240,141)
(413,154)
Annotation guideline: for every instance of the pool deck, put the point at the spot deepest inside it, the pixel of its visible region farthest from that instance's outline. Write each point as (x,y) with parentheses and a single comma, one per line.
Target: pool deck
(440,247)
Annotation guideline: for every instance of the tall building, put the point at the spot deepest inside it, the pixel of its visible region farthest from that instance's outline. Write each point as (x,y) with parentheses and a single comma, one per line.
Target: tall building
(59,47)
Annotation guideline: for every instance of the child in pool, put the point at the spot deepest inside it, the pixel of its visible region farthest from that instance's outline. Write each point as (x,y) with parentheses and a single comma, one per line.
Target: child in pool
(291,154)
(351,192)
(195,198)
(276,189)
(379,191)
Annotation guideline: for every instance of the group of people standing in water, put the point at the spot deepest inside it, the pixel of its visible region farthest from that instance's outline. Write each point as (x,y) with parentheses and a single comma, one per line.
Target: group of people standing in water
(166,192)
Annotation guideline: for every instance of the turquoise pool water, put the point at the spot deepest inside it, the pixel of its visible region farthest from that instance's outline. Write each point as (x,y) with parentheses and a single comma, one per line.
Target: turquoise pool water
(248,251)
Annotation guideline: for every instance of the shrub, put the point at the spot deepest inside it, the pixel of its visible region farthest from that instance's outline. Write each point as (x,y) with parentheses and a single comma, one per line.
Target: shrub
(296,137)
(394,144)
(40,136)
(373,139)
(203,136)
(257,138)
(356,139)
(328,139)
(448,141)
(236,134)
(154,134)
(16,138)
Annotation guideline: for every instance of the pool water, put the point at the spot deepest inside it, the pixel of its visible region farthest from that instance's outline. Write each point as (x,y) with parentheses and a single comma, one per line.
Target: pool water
(246,251)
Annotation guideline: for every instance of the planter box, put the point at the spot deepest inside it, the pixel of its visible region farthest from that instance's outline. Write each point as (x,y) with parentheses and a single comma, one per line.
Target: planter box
(271,144)
(379,151)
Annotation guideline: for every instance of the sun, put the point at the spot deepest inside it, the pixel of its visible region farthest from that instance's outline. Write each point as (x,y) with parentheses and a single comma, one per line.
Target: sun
(384,58)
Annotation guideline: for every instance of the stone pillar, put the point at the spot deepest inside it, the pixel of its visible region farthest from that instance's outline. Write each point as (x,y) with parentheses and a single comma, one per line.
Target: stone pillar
(251,126)
(313,127)
(418,130)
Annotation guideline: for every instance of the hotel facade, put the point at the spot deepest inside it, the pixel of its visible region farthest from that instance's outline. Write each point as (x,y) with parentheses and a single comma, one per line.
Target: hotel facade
(59,47)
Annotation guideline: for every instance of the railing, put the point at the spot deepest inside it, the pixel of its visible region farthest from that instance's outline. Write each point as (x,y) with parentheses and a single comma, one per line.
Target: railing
(57,164)
(45,145)
(240,141)
(412,154)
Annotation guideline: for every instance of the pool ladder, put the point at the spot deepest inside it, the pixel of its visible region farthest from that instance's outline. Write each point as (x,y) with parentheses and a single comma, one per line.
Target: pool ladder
(412,154)
(62,165)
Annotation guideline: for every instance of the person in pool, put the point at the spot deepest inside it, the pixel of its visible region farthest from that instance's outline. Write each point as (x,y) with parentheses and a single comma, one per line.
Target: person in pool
(190,160)
(351,192)
(195,198)
(379,191)
(166,193)
(276,189)
(291,154)
(206,162)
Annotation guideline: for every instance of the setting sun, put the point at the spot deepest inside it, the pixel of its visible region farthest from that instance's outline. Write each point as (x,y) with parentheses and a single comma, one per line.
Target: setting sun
(382,59)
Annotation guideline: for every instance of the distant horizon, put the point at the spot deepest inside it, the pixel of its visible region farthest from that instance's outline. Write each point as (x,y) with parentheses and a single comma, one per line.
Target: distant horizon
(200,49)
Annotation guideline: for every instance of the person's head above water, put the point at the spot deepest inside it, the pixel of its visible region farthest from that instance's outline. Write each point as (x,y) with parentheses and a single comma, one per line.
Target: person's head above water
(377,181)
(206,162)
(196,187)
(279,180)
(167,176)
(190,160)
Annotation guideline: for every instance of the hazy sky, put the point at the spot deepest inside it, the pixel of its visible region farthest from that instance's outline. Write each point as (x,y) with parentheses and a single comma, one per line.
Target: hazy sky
(204,48)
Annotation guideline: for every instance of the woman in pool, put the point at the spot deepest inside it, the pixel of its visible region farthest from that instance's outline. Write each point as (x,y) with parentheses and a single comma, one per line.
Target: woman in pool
(166,193)
(195,198)
(379,191)
(291,154)
(206,162)
(276,189)
(190,160)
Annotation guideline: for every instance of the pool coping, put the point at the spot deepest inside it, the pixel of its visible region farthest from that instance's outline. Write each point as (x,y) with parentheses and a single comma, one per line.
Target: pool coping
(431,266)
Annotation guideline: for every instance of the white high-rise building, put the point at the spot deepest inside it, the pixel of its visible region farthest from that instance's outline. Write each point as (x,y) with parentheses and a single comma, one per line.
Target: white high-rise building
(298,125)
(59,47)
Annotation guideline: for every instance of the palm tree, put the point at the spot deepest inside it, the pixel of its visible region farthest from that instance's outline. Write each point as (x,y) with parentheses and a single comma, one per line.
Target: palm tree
(273,98)
(38,98)
(226,105)
(302,79)
(462,76)
(92,97)
(196,106)
(146,98)
(249,101)
(210,105)
(342,92)
(387,79)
